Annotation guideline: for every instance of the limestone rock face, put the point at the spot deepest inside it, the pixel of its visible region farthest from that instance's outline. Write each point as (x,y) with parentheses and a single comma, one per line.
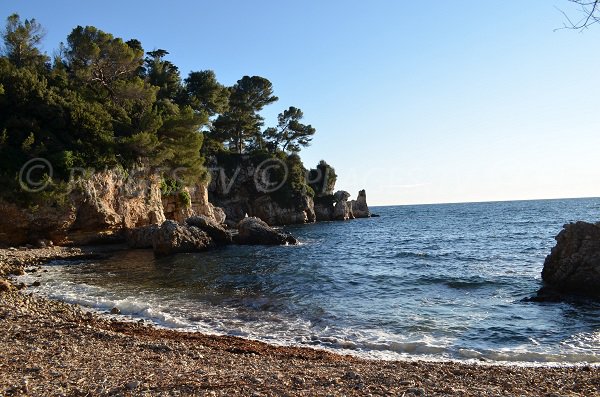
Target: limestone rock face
(217,232)
(176,209)
(172,238)
(360,209)
(98,208)
(254,231)
(342,209)
(574,263)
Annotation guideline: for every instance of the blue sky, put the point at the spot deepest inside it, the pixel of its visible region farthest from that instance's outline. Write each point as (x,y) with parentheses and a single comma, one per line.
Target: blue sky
(417,102)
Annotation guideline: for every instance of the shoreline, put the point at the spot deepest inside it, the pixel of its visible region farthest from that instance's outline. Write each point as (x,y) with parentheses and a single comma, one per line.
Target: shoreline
(54,348)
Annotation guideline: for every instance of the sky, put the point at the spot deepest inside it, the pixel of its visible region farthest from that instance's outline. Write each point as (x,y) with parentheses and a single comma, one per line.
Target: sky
(416,102)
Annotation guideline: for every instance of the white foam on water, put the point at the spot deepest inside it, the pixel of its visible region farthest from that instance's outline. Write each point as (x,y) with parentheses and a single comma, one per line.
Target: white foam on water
(276,329)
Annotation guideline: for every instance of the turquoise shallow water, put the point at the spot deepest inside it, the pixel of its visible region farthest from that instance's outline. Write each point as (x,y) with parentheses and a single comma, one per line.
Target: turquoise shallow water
(435,281)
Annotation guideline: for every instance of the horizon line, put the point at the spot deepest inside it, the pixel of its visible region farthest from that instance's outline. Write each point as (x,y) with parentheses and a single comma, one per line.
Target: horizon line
(486,201)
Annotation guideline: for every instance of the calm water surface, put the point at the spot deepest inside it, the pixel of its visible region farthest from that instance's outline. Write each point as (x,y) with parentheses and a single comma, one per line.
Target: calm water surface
(434,281)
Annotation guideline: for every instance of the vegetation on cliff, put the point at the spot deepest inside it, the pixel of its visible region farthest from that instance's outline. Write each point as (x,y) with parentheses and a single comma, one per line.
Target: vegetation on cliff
(103,102)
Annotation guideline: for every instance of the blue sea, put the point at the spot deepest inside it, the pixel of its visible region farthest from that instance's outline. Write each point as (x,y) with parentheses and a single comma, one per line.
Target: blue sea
(434,282)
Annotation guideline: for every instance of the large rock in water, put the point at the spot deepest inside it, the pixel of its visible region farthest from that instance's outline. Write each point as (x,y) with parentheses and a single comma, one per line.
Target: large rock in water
(360,209)
(574,263)
(254,231)
(342,209)
(212,228)
(173,238)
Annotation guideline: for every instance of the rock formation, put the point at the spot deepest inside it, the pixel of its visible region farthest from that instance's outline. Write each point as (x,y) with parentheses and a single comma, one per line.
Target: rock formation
(236,191)
(172,238)
(342,209)
(574,263)
(217,232)
(254,231)
(103,207)
(360,209)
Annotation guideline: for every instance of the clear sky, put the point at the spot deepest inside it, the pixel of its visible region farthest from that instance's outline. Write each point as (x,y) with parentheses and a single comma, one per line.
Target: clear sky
(417,102)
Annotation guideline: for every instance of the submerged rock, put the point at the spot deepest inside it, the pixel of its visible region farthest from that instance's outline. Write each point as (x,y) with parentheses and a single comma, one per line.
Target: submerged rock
(254,231)
(574,263)
(173,238)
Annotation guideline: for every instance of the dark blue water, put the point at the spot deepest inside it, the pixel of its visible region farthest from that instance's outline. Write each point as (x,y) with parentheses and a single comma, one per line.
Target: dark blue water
(442,281)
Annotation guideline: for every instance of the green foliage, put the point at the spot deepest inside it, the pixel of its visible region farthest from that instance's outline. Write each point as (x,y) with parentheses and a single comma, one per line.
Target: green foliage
(104,103)
(241,124)
(322,179)
(21,41)
(205,94)
(290,134)
(185,198)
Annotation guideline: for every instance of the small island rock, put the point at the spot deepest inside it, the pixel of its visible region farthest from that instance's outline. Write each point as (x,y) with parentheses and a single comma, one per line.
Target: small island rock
(574,263)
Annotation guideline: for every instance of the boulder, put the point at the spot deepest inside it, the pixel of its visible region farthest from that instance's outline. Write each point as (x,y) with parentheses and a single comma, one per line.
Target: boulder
(173,238)
(254,231)
(574,263)
(217,232)
(360,209)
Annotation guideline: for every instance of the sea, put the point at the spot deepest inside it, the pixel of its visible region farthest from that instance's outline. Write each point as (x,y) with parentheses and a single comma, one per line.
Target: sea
(432,282)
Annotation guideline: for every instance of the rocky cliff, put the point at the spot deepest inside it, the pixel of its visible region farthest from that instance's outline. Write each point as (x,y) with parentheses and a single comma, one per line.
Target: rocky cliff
(100,208)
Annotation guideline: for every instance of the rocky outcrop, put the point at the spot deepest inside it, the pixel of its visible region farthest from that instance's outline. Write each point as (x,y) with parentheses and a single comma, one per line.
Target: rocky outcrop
(172,238)
(574,263)
(360,209)
(178,208)
(254,231)
(300,211)
(236,188)
(342,209)
(217,232)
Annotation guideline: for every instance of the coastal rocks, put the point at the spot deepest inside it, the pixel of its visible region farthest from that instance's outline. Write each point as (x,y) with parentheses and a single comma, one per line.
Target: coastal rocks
(323,210)
(574,263)
(173,238)
(190,202)
(300,211)
(254,231)
(360,209)
(212,228)
(110,201)
(342,209)
(237,187)
(141,237)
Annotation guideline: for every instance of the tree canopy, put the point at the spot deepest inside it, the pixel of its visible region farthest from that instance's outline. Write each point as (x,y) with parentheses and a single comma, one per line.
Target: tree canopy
(104,102)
